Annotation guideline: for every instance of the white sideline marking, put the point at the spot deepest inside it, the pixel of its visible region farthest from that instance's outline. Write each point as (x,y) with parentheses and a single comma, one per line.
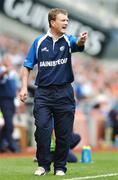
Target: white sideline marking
(93,177)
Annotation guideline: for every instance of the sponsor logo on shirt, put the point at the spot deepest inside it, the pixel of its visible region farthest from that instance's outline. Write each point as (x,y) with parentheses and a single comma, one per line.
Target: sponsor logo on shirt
(45,49)
(53,63)
(62,48)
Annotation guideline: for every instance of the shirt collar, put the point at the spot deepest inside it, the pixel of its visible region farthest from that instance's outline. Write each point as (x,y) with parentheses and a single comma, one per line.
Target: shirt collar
(51,35)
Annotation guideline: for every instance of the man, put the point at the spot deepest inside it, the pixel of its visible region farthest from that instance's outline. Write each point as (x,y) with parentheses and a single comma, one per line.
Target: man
(8,89)
(54,94)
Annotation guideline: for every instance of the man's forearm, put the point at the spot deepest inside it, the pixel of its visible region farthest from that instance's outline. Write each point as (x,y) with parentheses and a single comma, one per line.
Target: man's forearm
(82,39)
(80,43)
(25,76)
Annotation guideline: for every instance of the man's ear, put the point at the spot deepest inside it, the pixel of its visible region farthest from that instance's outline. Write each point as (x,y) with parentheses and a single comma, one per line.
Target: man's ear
(52,23)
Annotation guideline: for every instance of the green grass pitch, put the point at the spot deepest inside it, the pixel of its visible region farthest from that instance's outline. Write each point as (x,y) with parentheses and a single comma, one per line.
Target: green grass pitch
(22,168)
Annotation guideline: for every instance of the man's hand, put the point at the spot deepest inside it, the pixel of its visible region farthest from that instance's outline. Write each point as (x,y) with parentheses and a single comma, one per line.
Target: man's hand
(82,38)
(23,94)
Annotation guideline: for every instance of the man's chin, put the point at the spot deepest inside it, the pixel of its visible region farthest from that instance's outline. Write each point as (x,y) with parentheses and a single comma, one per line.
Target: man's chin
(63,31)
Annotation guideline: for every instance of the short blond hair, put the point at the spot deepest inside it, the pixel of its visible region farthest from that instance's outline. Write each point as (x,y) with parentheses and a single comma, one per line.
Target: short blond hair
(54,12)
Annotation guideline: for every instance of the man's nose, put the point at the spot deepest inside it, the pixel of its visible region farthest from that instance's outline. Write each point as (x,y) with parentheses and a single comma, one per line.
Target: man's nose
(66,22)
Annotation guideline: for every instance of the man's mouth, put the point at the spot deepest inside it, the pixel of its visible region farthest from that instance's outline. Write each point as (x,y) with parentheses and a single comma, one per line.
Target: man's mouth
(64,28)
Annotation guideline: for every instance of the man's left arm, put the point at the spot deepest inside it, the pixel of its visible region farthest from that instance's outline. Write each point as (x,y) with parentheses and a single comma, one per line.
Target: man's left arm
(77,43)
(82,39)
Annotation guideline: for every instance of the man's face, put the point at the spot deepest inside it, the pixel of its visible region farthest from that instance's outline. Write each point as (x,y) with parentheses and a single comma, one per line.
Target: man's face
(60,24)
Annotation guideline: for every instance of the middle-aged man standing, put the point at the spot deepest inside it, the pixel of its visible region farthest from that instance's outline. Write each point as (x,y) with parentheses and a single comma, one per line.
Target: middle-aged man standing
(54,95)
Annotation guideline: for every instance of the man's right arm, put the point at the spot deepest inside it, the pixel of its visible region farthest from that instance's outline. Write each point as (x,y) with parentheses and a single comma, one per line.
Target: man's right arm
(25,72)
(28,65)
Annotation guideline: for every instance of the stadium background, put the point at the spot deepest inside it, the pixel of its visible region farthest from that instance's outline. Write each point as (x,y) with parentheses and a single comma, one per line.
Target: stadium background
(96,71)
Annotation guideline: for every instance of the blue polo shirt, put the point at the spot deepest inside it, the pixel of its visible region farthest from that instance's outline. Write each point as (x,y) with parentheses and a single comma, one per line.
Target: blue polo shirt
(53,59)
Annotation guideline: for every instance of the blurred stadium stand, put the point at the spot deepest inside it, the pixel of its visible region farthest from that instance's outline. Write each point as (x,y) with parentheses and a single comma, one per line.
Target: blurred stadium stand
(16,29)
(88,9)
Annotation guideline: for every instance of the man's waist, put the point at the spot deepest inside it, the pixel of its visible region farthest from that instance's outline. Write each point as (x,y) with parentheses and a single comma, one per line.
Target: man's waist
(53,86)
